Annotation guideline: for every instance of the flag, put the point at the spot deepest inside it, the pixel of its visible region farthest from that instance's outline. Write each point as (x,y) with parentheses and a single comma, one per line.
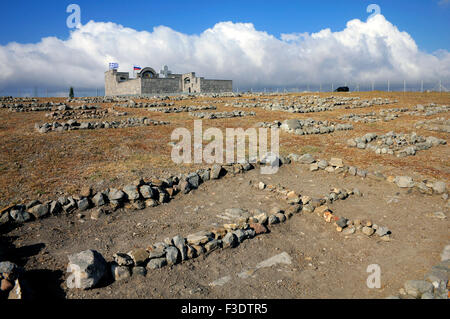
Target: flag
(137,68)
(113,65)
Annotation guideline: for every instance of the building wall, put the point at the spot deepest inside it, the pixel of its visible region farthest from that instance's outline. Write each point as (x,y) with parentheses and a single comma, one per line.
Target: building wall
(174,84)
(161,85)
(190,83)
(216,86)
(115,87)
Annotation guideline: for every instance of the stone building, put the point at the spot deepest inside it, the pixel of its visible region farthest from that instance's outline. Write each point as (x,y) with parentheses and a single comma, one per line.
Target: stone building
(147,81)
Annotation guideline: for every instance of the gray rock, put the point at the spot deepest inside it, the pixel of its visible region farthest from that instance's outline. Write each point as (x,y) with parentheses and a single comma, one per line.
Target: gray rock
(336,162)
(213,245)
(204,174)
(249,233)
(83,204)
(438,277)
(322,164)
(157,252)
(230,240)
(194,180)
(123,259)
(132,192)
(416,288)
(10,269)
(361,172)
(439,187)
(172,255)
(55,207)
(273,220)
(146,191)
(216,171)
(185,187)
(281,217)
(99,199)
(199,238)
(156,263)
(19,215)
(352,170)
(306,159)
(180,243)
(382,231)
(32,204)
(63,200)
(86,268)
(368,231)
(404,181)
(342,222)
(39,211)
(120,272)
(240,235)
(116,194)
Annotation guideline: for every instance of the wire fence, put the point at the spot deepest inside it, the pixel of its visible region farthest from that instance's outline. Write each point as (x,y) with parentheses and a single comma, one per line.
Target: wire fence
(386,86)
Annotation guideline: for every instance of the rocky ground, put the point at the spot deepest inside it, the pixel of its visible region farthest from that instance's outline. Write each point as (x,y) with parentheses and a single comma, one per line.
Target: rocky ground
(310,254)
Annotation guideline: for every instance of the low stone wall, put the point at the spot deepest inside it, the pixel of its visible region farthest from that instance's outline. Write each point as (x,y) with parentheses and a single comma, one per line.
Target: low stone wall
(372,117)
(221,115)
(400,144)
(141,105)
(306,127)
(88,114)
(182,109)
(429,109)
(440,124)
(74,125)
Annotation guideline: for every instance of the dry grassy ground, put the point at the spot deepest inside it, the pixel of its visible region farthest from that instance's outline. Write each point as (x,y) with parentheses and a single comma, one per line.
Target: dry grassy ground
(325,263)
(34,165)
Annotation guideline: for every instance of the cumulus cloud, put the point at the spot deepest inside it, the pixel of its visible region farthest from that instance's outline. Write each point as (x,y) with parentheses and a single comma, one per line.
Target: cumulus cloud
(373,50)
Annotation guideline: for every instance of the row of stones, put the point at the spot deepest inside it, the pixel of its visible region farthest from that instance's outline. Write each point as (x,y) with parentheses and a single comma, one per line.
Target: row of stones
(371,117)
(400,144)
(177,249)
(307,126)
(319,206)
(324,104)
(33,106)
(433,286)
(138,195)
(221,115)
(247,225)
(88,114)
(440,124)
(182,109)
(429,109)
(133,104)
(336,165)
(74,125)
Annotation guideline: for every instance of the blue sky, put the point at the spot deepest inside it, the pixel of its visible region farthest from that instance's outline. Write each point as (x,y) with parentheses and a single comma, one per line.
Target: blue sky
(256,44)
(427,21)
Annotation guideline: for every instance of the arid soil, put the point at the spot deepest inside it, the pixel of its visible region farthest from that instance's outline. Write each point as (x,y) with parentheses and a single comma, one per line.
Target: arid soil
(322,263)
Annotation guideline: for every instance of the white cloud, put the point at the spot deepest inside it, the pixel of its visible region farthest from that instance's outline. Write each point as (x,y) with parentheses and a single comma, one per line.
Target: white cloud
(364,51)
